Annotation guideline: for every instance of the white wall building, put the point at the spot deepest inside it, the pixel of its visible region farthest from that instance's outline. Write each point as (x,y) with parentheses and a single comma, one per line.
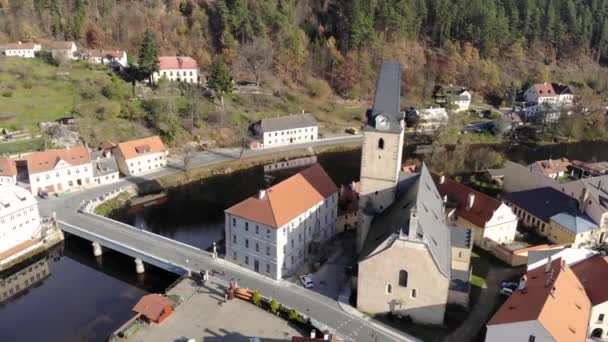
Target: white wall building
(19,219)
(19,49)
(177,68)
(135,157)
(105,168)
(549,98)
(287,130)
(274,232)
(8,171)
(107,57)
(63,50)
(59,170)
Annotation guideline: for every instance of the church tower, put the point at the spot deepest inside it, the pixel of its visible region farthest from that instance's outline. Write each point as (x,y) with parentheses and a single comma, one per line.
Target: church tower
(382,149)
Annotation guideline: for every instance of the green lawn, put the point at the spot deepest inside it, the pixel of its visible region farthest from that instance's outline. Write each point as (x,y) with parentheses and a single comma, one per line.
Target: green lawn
(36,144)
(481,266)
(105,208)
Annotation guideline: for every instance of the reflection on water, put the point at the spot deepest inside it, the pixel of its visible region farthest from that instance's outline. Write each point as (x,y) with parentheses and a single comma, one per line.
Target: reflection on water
(17,280)
(82,298)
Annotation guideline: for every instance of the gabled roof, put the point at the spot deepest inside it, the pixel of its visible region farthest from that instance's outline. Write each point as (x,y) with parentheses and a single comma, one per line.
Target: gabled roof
(46,161)
(137,148)
(18,46)
(288,199)
(152,305)
(387,101)
(59,45)
(574,222)
(544,89)
(550,166)
(562,89)
(8,168)
(176,62)
(288,122)
(107,53)
(593,274)
(542,202)
(483,207)
(14,198)
(556,299)
(101,165)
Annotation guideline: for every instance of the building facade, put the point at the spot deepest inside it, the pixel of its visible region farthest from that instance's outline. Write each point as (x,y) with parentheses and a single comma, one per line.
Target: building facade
(19,219)
(287,130)
(61,50)
(59,170)
(177,68)
(27,277)
(276,231)
(135,157)
(107,57)
(105,168)
(19,49)
(8,171)
(593,274)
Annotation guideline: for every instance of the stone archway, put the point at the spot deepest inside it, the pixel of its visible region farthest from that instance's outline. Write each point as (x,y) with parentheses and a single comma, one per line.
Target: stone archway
(597,332)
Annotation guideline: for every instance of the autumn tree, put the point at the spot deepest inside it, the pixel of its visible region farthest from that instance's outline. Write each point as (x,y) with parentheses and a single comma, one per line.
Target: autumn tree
(257,56)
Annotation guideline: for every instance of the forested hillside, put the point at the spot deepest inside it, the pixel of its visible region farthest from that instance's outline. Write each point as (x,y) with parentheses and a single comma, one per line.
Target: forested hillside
(485,44)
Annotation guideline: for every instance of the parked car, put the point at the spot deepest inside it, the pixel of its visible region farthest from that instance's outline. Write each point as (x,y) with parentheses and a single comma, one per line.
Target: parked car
(509,284)
(351,130)
(505,291)
(43,194)
(307,281)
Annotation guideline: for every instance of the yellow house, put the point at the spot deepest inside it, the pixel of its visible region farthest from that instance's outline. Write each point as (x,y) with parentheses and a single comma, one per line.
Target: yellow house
(573,228)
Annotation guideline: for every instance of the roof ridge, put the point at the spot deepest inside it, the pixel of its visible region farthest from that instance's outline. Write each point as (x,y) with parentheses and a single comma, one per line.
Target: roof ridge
(274,217)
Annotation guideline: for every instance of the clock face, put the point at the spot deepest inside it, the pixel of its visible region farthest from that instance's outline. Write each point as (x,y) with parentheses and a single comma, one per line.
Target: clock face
(381,121)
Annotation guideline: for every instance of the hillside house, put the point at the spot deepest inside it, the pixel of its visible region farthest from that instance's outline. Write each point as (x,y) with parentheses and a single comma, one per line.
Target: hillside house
(459,98)
(8,171)
(107,57)
(19,49)
(286,130)
(136,157)
(177,68)
(61,50)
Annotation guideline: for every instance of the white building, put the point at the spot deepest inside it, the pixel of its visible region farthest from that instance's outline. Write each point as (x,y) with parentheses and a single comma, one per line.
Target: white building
(19,220)
(551,99)
(287,130)
(59,170)
(177,68)
(107,57)
(135,157)
(105,168)
(63,50)
(457,97)
(593,274)
(19,49)
(488,218)
(276,231)
(8,171)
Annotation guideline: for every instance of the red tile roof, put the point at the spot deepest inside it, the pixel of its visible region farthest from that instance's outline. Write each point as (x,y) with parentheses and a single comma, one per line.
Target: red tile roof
(176,62)
(593,274)
(45,161)
(136,148)
(7,167)
(544,89)
(59,45)
(18,46)
(483,205)
(152,305)
(106,53)
(551,166)
(556,299)
(287,199)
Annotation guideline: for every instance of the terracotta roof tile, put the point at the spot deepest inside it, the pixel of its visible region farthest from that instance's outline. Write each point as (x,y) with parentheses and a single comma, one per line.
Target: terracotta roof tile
(551,166)
(136,148)
(176,62)
(152,305)
(106,53)
(59,45)
(287,199)
(45,161)
(544,89)
(556,299)
(483,205)
(593,273)
(7,167)
(17,46)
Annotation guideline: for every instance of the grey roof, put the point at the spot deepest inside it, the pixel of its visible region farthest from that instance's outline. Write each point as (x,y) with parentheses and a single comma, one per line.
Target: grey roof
(542,202)
(101,165)
(534,256)
(387,101)
(496,173)
(574,222)
(288,122)
(422,198)
(460,237)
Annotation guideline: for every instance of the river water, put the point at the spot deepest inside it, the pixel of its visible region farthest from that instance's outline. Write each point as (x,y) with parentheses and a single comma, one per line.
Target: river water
(86,298)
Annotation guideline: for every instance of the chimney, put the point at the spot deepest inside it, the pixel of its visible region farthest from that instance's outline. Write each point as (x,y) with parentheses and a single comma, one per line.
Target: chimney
(471,201)
(261,194)
(548,265)
(522,283)
(442,179)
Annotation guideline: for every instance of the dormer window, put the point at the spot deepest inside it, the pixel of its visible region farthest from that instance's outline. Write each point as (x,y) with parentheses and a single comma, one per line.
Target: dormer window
(382,122)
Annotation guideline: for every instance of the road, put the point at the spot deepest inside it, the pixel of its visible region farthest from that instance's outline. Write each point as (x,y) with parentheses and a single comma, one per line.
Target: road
(317,306)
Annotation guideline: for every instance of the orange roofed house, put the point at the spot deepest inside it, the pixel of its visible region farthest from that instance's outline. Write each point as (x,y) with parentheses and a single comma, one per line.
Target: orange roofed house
(177,68)
(135,157)
(275,231)
(550,305)
(154,308)
(59,170)
(8,171)
(593,274)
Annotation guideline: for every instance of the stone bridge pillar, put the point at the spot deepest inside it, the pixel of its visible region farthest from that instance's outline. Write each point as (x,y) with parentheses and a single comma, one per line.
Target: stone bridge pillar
(97,250)
(139,266)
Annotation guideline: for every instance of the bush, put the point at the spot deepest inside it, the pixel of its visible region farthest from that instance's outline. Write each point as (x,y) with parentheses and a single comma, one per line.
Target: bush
(110,92)
(256,298)
(88,93)
(7,94)
(275,306)
(318,88)
(293,315)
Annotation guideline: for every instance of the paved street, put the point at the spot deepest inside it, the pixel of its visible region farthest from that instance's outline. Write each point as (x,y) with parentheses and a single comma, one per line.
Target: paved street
(319,307)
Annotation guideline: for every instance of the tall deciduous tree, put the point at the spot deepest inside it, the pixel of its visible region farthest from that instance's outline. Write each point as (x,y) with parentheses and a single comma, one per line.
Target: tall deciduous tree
(220,80)
(148,55)
(257,56)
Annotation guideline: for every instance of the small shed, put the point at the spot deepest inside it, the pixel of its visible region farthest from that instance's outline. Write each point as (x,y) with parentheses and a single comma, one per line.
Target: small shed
(154,308)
